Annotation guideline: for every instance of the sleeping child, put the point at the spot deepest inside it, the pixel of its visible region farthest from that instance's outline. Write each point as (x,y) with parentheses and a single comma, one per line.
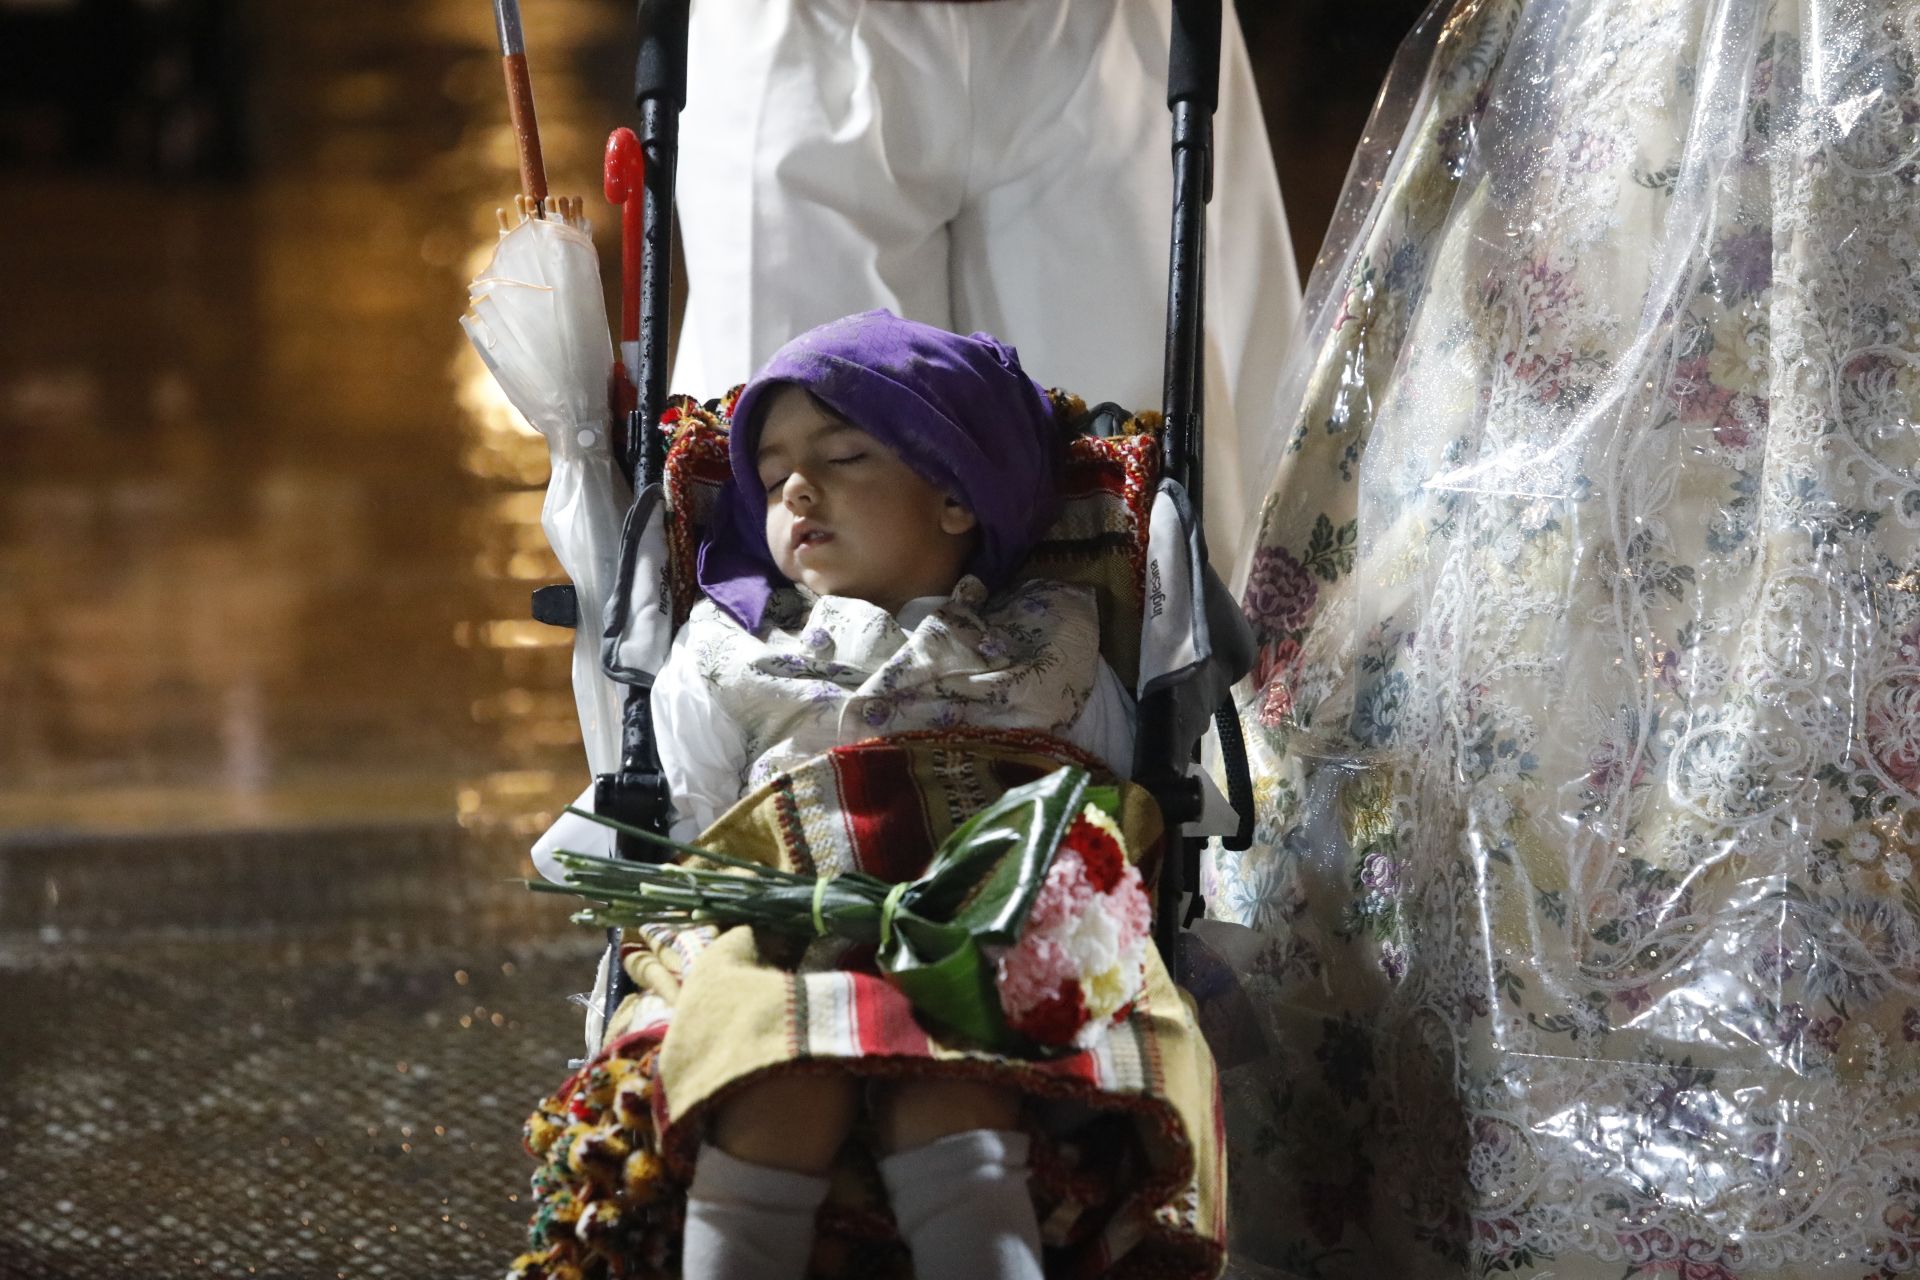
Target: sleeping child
(887,480)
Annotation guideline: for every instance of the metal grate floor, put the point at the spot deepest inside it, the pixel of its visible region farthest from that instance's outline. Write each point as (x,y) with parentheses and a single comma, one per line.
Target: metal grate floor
(301,1100)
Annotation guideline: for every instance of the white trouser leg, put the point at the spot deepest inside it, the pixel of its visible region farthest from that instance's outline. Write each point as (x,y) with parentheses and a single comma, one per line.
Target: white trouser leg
(1253,310)
(1061,248)
(817,175)
(963,1205)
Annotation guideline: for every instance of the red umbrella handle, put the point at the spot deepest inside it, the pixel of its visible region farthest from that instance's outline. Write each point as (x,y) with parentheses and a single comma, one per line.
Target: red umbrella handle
(625,171)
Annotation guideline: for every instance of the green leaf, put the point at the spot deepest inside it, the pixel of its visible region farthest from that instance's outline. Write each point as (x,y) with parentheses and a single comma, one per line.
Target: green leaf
(985,875)
(1330,551)
(1105,799)
(956,994)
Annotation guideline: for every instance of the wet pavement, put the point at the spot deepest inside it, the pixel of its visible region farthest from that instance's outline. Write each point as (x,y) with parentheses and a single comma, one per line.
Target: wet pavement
(295,1111)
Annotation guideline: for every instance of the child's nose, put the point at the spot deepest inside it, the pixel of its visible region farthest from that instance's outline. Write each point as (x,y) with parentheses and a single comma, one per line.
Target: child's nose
(799,491)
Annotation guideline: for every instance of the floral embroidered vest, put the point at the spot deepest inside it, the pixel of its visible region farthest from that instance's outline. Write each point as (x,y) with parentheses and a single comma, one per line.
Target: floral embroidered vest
(827,670)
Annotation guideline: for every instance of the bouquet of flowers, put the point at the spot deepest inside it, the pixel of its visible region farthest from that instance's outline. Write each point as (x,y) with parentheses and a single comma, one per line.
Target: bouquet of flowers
(1027,933)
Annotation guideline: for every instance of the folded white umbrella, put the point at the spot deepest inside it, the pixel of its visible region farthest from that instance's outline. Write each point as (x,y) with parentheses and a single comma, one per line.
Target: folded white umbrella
(538,318)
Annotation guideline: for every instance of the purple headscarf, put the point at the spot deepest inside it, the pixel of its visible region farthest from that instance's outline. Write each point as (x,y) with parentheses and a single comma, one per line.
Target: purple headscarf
(959,411)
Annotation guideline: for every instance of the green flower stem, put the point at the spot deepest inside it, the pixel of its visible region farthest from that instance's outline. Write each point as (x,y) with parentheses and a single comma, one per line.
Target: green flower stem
(665,842)
(759,870)
(641,902)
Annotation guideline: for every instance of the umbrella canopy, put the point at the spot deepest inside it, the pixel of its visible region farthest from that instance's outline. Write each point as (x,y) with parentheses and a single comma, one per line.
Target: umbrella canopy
(538,319)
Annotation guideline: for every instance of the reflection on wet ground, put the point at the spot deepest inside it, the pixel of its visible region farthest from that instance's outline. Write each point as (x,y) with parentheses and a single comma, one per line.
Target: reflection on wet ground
(274,727)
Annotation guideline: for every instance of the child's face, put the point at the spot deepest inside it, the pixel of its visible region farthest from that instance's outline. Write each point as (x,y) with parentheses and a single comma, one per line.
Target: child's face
(846,517)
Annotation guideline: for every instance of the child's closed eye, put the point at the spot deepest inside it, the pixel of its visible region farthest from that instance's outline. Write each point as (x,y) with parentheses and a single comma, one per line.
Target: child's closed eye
(849,458)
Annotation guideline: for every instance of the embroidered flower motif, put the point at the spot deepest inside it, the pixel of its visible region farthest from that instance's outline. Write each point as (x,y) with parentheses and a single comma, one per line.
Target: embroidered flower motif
(1280,592)
(1393,961)
(1893,731)
(1377,873)
(1276,658)
(1743,263)
(1276,704)
(1590,152)
(1694,394)
(1377,710)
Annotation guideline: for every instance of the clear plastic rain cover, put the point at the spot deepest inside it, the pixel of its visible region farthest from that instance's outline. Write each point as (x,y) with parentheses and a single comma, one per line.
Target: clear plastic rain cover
(1586,726)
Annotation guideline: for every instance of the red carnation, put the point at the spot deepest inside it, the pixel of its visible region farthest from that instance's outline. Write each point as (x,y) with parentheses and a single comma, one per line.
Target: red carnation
(1105,860)
(1057,1019)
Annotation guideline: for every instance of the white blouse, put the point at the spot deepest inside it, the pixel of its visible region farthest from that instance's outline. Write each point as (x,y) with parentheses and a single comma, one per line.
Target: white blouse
(731,708)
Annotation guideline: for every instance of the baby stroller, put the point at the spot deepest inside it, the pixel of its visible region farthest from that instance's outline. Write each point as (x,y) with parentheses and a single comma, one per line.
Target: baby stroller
(1129,529)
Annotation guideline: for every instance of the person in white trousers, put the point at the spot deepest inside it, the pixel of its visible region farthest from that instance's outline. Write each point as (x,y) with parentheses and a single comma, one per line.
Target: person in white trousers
(980,164)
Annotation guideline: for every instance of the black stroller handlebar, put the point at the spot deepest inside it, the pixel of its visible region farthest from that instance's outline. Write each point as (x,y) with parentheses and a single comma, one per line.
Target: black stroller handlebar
(637,793)
(660,67)
(1193,59)
(1193,91)
(659,91)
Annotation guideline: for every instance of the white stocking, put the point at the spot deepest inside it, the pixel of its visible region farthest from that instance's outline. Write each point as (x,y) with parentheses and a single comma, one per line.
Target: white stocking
(963,1205)
(748,1222)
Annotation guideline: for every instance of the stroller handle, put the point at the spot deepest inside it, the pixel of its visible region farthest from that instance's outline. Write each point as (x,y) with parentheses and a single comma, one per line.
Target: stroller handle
(660,67)
(1193,91)
(660,91)
(1193,61)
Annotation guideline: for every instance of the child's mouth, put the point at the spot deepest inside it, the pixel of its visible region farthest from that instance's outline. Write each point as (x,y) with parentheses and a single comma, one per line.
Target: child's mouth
(810,538)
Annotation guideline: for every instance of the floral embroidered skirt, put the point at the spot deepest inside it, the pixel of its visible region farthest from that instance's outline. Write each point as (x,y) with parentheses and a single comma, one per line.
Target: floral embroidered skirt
(1586,939)
(1127,1162)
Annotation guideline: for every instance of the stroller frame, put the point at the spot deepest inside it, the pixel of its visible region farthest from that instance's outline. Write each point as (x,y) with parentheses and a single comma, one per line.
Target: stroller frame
(637,793)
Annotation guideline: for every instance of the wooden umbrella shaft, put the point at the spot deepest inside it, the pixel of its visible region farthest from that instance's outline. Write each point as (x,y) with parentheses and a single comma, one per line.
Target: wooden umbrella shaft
(526,127)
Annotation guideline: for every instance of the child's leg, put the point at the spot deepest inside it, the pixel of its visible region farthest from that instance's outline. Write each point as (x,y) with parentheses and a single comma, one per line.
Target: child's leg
(797,1123)
(762,1176)
(958,1180)
(912,1113)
